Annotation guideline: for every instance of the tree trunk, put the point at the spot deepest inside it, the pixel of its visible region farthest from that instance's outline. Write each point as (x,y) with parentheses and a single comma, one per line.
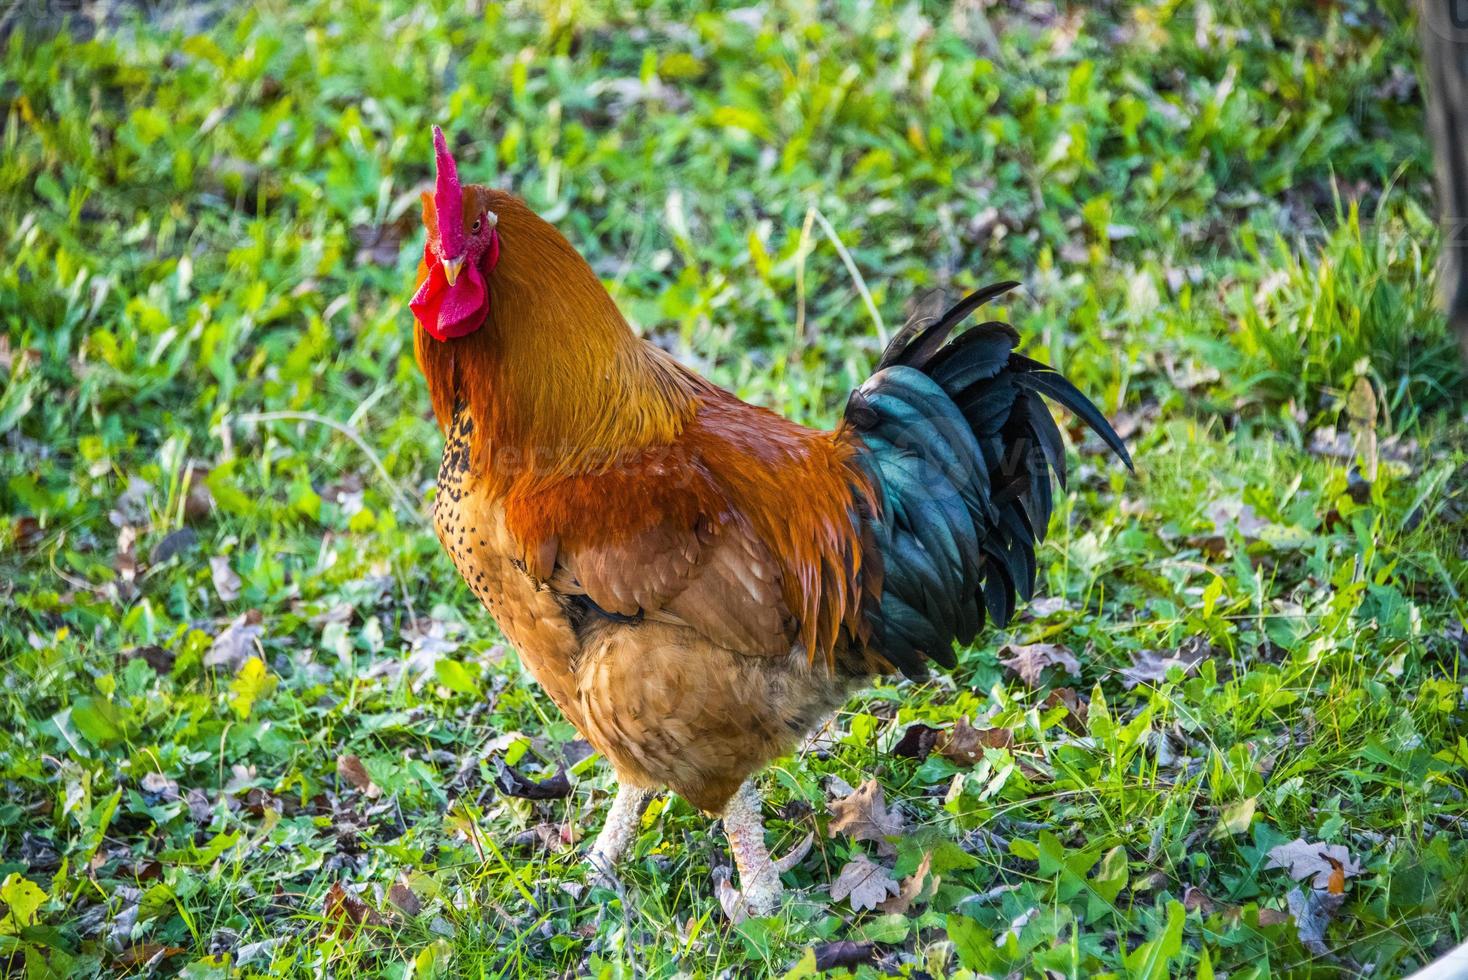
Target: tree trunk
(1444,31)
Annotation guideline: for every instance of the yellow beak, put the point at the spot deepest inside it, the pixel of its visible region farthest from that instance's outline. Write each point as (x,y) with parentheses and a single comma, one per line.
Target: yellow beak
(452,268)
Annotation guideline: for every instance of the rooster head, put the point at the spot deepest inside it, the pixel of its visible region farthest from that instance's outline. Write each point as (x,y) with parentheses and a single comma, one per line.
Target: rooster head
(462,249)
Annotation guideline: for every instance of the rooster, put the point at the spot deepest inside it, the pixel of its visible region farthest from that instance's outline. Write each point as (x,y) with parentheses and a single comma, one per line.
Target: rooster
(696,582)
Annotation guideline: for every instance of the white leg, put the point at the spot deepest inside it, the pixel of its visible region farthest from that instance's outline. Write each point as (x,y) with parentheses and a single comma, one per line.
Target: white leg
(620,828)
(758,878)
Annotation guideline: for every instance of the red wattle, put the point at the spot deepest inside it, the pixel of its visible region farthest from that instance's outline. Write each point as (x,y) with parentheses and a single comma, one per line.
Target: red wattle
(447,312)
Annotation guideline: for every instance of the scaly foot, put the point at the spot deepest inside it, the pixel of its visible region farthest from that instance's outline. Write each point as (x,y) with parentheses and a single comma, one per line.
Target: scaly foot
(759,879)
(616,834)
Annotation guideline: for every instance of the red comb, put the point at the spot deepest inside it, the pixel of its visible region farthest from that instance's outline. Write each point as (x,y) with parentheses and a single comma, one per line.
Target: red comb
(448,199)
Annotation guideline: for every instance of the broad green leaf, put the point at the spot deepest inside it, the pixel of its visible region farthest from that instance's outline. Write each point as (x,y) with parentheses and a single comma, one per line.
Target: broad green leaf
(1149,961)
(804,967)
(22,898)
(455,676)
(974,945)
(1236,818)
(1110,878)
(97,720)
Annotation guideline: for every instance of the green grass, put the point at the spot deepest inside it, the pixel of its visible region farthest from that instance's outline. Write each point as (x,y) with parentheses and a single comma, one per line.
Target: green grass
(1222,217)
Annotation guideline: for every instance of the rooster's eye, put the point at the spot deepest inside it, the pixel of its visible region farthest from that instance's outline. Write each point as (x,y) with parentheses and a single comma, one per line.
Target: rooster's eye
(477,223)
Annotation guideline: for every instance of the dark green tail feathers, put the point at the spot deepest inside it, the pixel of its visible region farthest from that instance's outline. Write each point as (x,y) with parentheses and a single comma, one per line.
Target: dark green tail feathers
(960,443)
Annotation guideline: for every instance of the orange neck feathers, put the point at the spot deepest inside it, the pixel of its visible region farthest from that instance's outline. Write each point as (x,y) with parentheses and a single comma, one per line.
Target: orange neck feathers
(556,382)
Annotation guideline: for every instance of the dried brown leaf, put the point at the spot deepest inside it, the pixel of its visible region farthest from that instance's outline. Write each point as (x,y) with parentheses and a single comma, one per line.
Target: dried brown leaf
(965,744)
(863,884)
(796,855)
(404,899)
(226,582)
(154,656)
(27,533)
(1048,605)
(1076,705)
(201,810)
(198,501)
(145,955)
(1312,910)
(173,543)
(350,768)
(1151,666)
(1319,862)
(864,815)
(158,786)
(345,913)
(547,837)
(1196,899)
(1029,661)
(1233,511)
(237,643)
(914,888)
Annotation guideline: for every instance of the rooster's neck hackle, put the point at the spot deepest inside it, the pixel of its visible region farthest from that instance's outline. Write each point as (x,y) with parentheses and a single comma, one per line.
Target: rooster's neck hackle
(556,383)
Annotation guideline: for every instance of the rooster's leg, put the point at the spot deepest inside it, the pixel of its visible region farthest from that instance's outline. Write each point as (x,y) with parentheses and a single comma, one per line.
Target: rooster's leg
(759,880)
(620,828)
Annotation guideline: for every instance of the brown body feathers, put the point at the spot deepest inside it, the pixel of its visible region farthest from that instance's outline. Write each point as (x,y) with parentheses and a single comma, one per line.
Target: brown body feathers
(683,572)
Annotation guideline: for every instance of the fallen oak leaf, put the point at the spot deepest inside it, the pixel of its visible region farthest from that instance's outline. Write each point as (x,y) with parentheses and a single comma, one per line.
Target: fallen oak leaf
(1151,666)
(404,899)
(1196,899)
(237,643)
(863,815)
(1273,917)
(1077,708)
(350,768)
(1028,661)
(914,888)
(862,884)
(1319,862)
(344,913)
(1312,910)
(965,744)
